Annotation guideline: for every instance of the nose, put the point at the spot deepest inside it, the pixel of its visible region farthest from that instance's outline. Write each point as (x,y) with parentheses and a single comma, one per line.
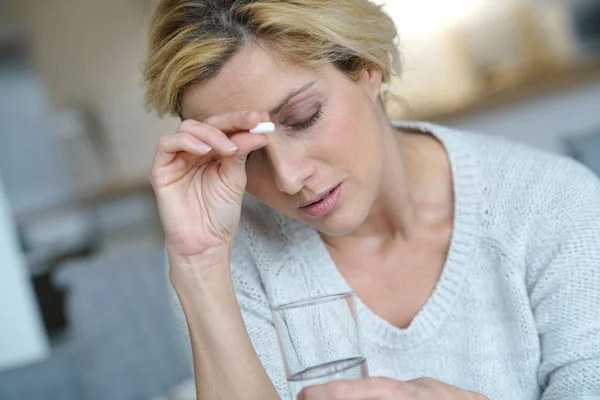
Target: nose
(291,168)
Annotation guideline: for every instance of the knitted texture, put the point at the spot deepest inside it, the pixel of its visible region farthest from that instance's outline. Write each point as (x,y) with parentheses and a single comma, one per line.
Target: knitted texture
(516,311)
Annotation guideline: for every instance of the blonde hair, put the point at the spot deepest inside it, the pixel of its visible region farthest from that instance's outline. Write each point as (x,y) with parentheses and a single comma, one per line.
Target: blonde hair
(191,40)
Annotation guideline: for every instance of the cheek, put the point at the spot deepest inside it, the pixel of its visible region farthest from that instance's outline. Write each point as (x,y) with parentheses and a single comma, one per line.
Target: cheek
(345,137)
(336,137)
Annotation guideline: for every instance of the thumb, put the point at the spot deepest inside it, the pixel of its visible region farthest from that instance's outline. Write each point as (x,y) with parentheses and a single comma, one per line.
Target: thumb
(233,168)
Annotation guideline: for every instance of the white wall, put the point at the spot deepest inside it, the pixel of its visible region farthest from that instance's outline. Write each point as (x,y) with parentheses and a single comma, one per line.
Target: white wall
(22,338)
(543,122)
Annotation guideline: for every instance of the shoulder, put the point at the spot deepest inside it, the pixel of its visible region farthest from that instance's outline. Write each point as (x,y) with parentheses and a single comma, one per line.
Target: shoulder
(524,196)
(528,183)
(503,164)
(530,198)
(508,164)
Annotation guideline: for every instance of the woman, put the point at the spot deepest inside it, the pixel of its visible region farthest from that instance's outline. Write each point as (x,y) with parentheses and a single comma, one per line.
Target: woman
(476,261)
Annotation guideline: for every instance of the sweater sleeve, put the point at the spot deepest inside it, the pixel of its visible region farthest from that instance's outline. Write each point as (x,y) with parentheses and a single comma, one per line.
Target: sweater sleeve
(564,289)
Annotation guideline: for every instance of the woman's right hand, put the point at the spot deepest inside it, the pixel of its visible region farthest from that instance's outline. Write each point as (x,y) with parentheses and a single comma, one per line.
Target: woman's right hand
(199,179)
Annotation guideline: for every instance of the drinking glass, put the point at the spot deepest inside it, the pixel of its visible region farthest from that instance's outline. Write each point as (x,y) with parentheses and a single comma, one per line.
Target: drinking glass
(319,341)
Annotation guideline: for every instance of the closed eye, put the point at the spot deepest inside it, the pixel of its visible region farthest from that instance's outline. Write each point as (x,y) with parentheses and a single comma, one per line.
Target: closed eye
(309,122)
(298,127)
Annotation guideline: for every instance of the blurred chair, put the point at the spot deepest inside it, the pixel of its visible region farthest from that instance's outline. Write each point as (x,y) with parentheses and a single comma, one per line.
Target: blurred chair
(124,341)
(586,149)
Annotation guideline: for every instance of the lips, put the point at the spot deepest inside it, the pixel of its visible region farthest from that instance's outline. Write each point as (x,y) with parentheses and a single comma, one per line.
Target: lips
(319,198)
(324,203)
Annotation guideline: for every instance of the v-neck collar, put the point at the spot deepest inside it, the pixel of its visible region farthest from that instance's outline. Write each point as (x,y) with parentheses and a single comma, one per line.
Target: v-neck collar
(432,315)
(294,262)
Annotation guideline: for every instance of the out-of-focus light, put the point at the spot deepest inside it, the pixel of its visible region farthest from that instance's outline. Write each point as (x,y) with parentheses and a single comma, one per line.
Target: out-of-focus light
(416,17)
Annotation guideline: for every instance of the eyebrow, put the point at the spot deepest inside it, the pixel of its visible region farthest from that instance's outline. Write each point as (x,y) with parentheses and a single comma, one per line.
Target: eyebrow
(290,96)
(282,104)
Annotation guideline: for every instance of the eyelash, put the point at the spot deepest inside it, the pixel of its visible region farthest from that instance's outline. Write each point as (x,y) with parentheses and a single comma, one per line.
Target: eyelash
(300,126)
(310,122)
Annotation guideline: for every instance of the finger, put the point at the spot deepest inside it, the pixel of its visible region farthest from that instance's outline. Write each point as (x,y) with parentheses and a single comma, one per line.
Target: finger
(317,392)
(186,142)
(247,143)
(359,389)
(476,396)
(441,389)
(210,135)
(237,121)
(170,145)
(233,169)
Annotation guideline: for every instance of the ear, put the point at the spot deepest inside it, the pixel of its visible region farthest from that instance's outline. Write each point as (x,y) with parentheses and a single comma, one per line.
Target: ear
(372,80)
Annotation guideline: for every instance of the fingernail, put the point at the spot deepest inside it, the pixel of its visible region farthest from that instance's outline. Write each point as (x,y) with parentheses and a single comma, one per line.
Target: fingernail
(228,144)
(203,146)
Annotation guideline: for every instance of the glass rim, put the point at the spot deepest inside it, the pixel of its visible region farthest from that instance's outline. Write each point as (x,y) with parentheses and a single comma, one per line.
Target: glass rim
(308,301)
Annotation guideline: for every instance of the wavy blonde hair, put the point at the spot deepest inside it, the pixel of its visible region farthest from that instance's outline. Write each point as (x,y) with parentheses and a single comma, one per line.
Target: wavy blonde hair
(191,40)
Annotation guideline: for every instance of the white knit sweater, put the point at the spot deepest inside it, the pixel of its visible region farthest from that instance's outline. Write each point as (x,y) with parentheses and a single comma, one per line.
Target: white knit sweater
(516,312)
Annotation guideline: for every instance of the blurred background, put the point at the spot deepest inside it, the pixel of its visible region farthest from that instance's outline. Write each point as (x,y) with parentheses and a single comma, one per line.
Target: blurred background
(83,311)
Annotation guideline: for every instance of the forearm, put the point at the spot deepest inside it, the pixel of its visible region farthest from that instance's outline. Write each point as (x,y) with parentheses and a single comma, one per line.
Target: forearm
(226,365)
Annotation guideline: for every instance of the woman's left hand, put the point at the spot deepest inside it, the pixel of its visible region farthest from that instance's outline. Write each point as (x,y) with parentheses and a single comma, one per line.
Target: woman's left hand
(387,389)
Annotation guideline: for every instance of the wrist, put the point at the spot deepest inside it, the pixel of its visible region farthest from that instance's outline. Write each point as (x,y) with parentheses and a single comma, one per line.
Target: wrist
(199,263)
(207,298)
(198,270)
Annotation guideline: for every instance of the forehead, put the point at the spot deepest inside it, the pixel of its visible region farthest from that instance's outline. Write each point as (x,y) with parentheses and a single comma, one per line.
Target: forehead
(252,80)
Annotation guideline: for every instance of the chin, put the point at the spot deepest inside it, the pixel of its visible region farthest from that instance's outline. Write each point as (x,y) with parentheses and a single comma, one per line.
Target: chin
(341,223)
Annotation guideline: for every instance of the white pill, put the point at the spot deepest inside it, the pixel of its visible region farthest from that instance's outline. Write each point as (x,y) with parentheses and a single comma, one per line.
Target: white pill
(263,127)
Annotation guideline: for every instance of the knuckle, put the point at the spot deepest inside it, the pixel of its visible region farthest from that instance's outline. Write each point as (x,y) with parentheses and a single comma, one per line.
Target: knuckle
(153,178)
(250,116)
(215,132)
(338,389)
(163,140)
(189,124)
(394,388)
(206,131)
(424,381)
(211,120)
(309,392)
(186,138)
(217,120)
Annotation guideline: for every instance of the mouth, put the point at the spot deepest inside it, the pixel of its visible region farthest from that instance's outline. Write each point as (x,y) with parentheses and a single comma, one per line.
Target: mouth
(324,203)
(319,197)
